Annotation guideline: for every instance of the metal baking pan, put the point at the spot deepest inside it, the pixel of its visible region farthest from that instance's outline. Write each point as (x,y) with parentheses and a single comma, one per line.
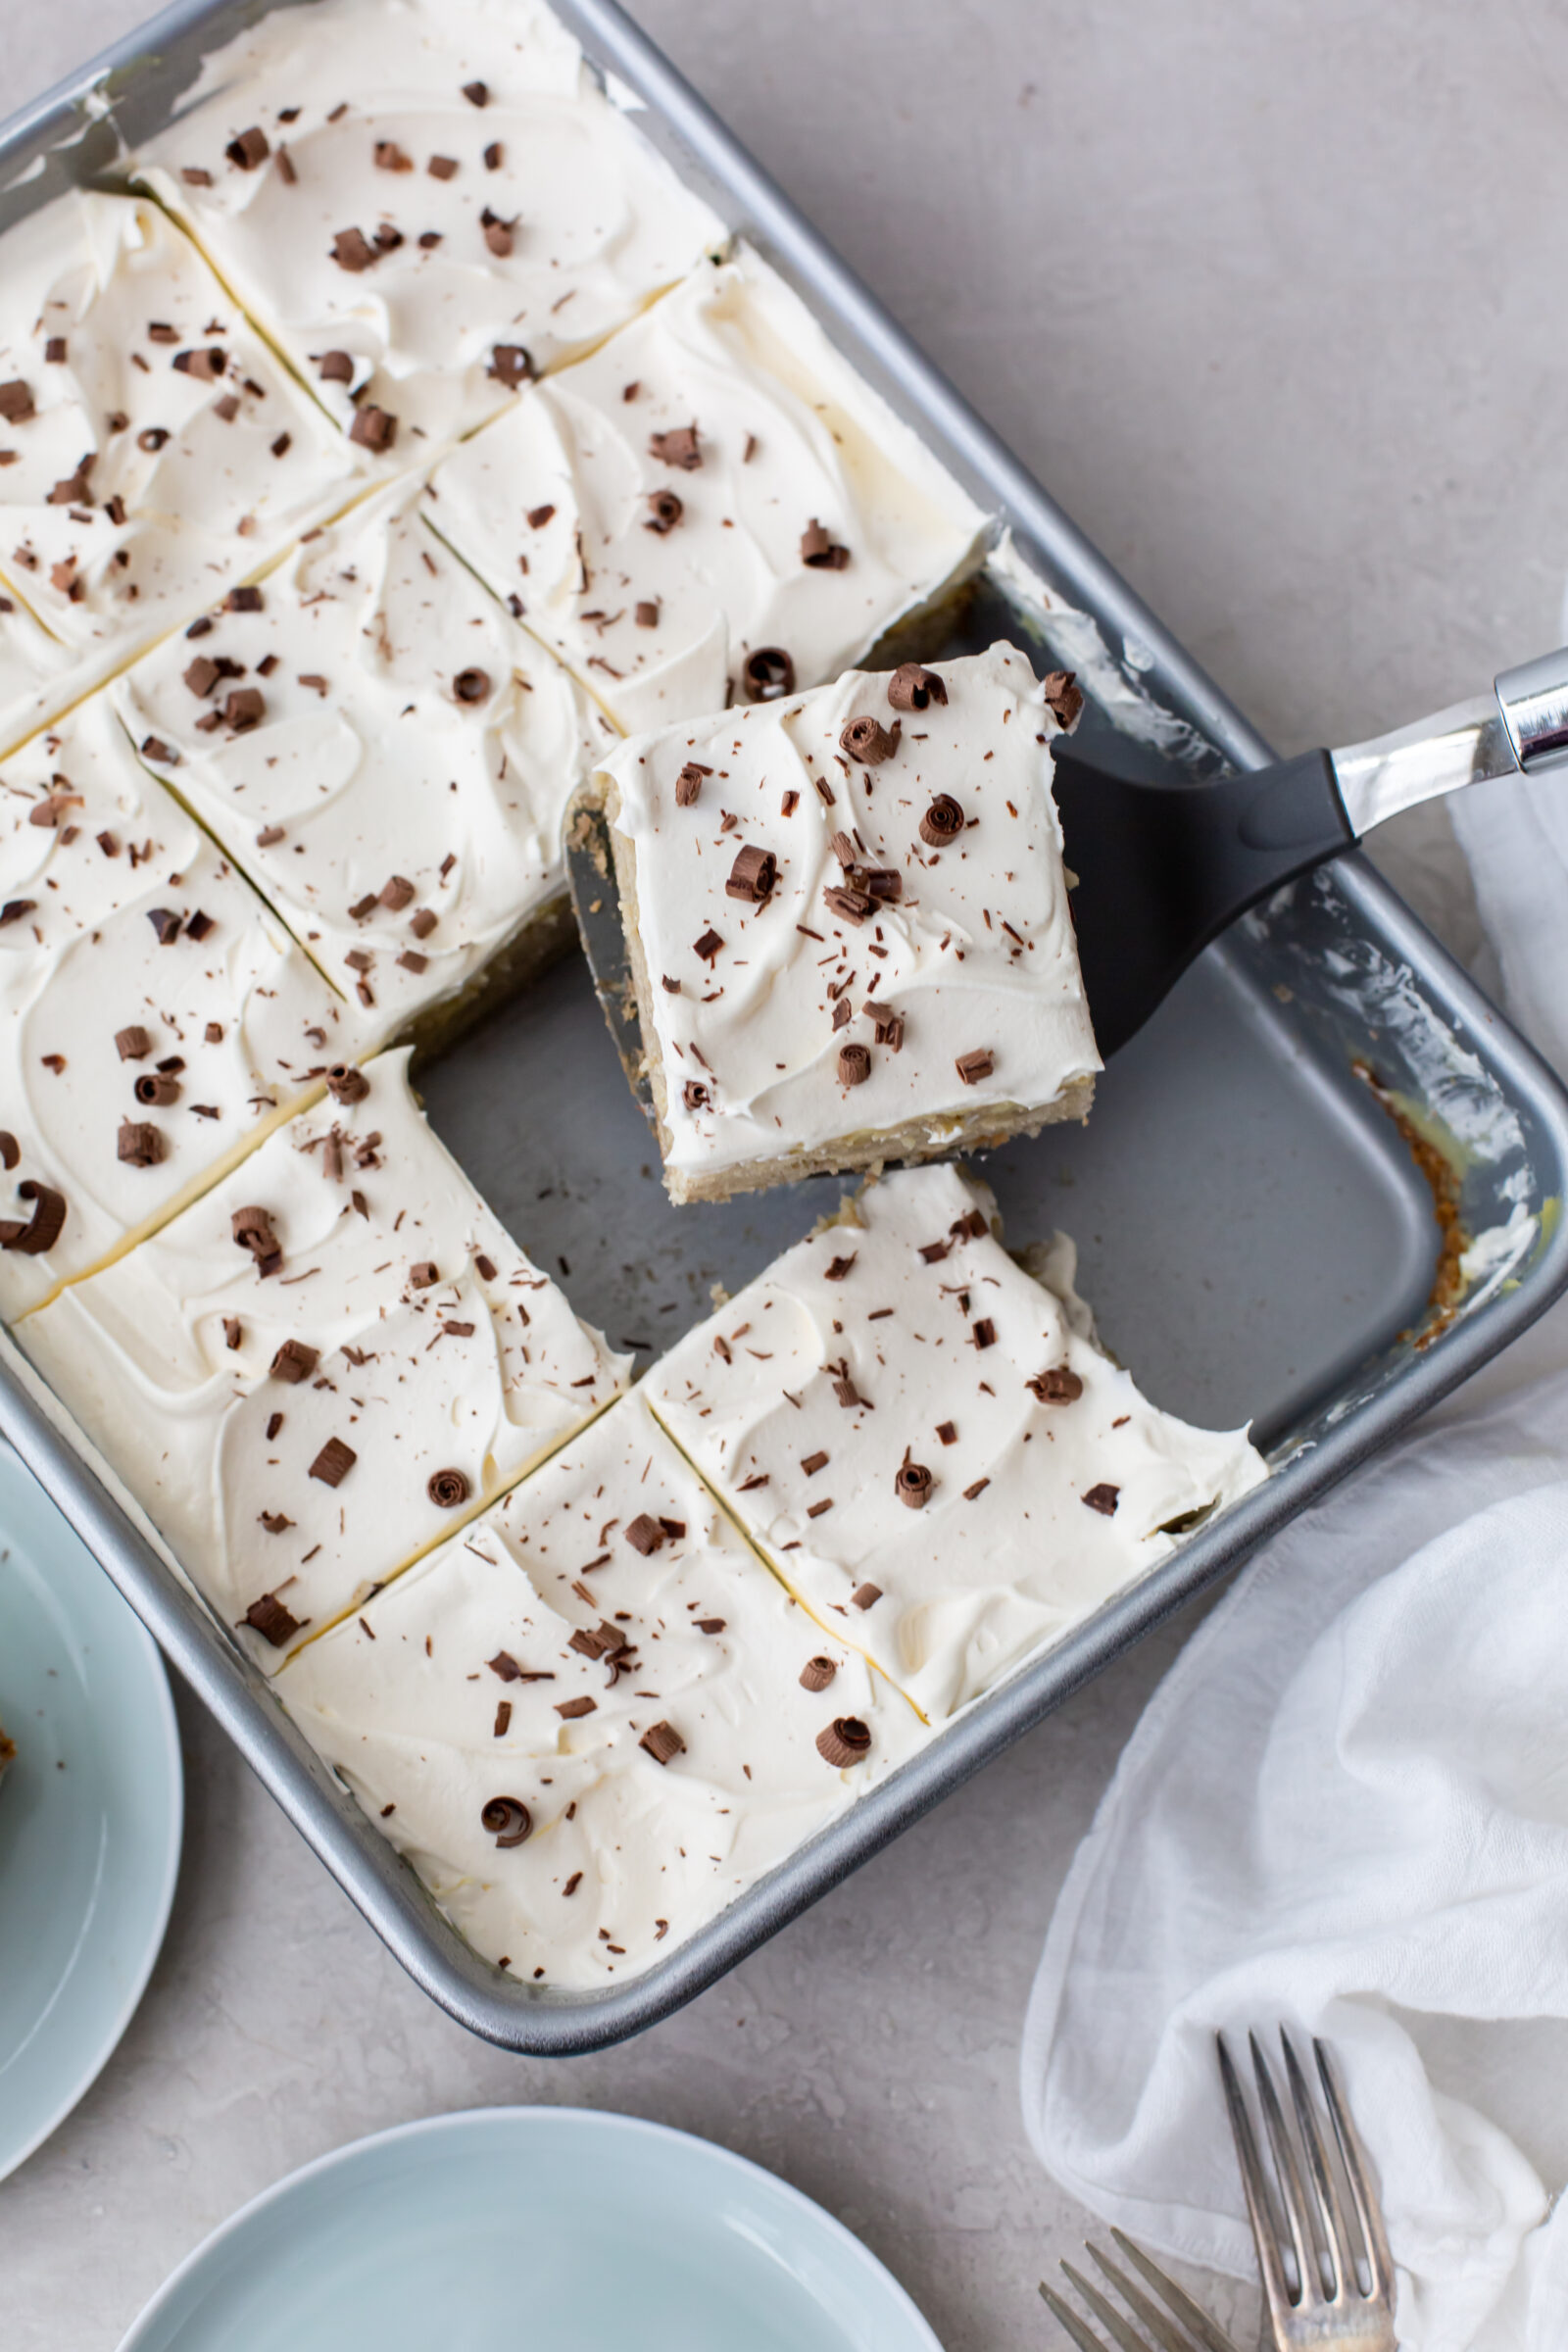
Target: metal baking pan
(1256,1232)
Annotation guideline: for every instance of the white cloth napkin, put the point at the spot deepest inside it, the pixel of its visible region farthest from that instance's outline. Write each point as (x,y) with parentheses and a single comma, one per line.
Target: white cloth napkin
(1347,1809)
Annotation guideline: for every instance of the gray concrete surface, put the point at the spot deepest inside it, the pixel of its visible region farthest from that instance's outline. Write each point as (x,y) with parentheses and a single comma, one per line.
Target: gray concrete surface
(1265,294)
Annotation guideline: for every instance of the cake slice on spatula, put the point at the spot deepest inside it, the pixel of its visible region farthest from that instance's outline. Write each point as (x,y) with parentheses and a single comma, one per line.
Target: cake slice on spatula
(847,922)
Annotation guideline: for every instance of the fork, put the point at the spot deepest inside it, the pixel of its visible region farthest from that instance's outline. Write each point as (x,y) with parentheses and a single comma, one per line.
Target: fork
(1330,2310)
(1196,2331)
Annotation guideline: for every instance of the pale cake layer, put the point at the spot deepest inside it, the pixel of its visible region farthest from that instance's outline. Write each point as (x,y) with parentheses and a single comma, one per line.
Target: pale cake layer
(650,511)
(928,1444)
(156,1019)
(151,446)
(399,779)
(423,204)
(602,1664)
(846,957)
(321,1366)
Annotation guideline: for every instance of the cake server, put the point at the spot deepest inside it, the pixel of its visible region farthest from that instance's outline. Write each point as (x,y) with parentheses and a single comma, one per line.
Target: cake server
(1162,869)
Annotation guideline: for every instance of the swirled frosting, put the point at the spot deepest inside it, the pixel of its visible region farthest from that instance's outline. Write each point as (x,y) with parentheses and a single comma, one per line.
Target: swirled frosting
(927,1444)
(143,986)
(441,195)
(956,988)
(397,1326)
(563,504)
(584,1720)
(399,791)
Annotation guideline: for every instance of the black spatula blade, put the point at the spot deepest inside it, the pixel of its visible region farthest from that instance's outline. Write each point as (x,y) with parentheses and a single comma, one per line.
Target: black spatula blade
(1163,868)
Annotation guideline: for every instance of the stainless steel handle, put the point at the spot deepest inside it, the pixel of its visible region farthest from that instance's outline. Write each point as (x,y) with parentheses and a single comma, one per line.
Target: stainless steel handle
(1521,728)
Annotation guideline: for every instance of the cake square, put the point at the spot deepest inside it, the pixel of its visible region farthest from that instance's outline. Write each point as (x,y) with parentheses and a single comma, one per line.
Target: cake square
(151,447)
(398,783)
(713,506)
(593,1718)
(928,1444)
(424,203)
(848,921)
(320,1367)
(156,1020)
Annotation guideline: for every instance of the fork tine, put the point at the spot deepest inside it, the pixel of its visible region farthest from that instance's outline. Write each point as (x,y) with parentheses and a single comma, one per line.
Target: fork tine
(1160,2327)
(1270,2267)
(1106,2313)
(1292,2194)
(1209,2333)
(1084,2337)
(1330,2208)
(1368,2212)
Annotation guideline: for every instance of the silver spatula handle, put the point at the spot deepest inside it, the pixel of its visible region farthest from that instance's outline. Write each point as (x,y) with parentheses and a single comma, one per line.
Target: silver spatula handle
(1521,728)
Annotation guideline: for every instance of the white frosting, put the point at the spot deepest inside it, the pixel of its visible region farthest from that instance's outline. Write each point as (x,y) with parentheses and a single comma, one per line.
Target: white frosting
(207,503)
(407,1707)
(977,952)
(973,1583)
(736,354)
(599,223)
(36,671)
(82,961)
(367,770)
(477,1371)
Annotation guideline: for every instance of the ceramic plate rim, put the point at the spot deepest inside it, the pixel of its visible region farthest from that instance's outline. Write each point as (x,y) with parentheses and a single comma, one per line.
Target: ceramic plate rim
(922,2337)
(35,1509)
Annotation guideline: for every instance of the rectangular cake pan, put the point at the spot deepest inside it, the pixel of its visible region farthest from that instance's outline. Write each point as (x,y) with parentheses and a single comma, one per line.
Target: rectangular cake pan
(1256,1232)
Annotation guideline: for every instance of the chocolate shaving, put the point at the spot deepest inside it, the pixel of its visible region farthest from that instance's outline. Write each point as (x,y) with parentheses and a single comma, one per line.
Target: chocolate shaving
(767,674)
(942,822)
(446,1488)
(854,1065)
(913,1483)
(134,1044)
(870,741)
(865,1597)
(664,510)
(503,1722)
(840,1267)
(678,447)
(568,1709)
(753,876)
(470,686)
(397,892)
(234,1332)
(9,1151)
(663,1742)
(1059,1386)
(695,1095)
(911,688)
(249,149)
(644,1533)
(346,1084)
(820,552)
(973,1067)
(140,1143)
(818,1673)
(689,783)
(811,1463)
(505,1666)
(15,402)
(708,947)
(243,600)
(647,613)
(294,1361)
(477,93)
(890,1031)
(374,428)
(272,1620)
(1063,699)
(422,1273)
(511,364)
(984,1333)
(507,1819)
(333,1463)
(15,908)
(353,252)
(153,1090)
(335,368)
(42,1229)
(243,709)
(498,234)
(970,1227)
(252,1229)
(851,905)
(206,364)
(847,1740)
(202,674)
(391,157)
(1103,1498)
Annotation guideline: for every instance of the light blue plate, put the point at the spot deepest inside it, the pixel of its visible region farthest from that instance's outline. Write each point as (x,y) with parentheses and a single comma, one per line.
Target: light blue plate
(90,1814)
(531,2230)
